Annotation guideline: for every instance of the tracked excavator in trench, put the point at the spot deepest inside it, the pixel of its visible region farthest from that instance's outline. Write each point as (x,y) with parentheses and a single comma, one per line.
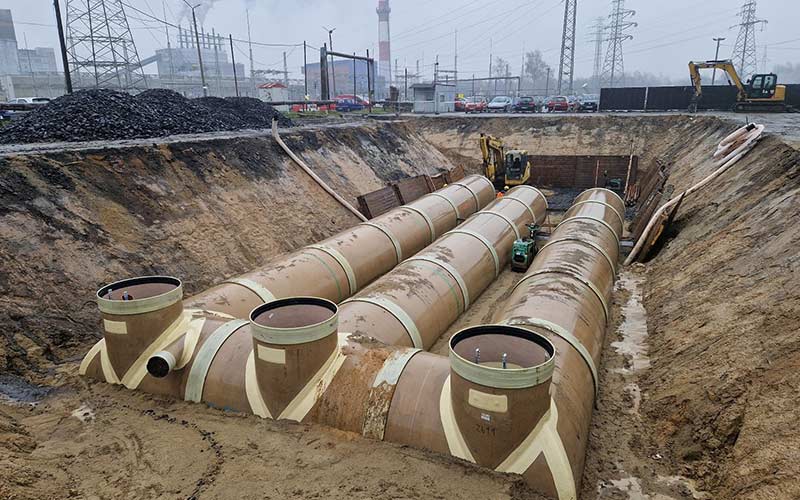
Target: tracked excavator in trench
(761,93)
(504,168)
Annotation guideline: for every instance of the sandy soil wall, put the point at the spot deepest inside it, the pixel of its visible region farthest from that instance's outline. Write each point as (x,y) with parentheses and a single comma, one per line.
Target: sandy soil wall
(651,136)
(715,414)
(723,299)
(200,209)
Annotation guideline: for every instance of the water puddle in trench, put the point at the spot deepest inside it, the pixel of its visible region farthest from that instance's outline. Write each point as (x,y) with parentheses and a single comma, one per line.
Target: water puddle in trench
(678,486)
(17,391)
(634,327)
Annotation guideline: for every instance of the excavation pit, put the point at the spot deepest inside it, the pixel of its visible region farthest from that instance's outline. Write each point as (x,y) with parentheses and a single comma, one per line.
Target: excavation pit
(712,417)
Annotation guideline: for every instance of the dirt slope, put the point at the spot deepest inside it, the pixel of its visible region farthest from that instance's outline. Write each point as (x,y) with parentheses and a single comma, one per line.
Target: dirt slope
(199,210)
(723,301)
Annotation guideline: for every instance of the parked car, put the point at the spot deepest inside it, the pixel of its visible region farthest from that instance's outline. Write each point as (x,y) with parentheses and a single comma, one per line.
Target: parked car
(26,102)
(460,104)
(345,105)
(574,103)
(525,104)
(589,102)
(501,103)
(356,98)
(29,100)
(475,104)
(558,103)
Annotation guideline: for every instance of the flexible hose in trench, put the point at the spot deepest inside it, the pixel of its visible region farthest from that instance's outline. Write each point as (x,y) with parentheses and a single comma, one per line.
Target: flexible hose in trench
(730,150)
(314,176)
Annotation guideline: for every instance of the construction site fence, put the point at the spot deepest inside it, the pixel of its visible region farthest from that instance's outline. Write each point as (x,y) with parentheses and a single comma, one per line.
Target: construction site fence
(714,98)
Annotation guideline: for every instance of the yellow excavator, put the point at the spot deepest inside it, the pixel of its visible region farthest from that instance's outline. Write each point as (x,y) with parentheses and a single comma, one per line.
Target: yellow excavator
(760,93)
(504,168)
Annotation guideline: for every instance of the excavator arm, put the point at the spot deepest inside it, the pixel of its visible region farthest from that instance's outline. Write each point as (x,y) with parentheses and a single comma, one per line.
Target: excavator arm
(492,150)
(726,66)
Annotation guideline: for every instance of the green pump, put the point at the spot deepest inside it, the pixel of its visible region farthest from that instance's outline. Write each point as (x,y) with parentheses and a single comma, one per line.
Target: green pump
(524,250)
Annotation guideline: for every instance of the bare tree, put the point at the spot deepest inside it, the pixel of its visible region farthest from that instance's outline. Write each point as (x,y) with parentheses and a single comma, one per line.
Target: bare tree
(535,69)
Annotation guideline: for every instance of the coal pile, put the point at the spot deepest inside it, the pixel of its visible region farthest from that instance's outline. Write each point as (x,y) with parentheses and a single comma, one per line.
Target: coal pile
(175,114)
(245,112)
(99,114)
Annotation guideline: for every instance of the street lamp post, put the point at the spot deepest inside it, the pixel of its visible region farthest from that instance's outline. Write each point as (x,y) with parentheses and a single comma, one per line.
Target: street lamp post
(199,53)
(716,58)
(333,70)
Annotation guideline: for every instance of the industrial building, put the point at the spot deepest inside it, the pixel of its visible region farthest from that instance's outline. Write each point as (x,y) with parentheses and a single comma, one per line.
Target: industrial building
(437,97)
(16,61)
(344,71)
(9,58)
(182,61)
(37,60)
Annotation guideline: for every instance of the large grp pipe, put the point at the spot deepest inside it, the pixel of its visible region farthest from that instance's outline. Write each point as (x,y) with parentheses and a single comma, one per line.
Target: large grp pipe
(415,303)
(565,296)
(487,404)
(340,266)
(291,362)
(483,244)
(334,269)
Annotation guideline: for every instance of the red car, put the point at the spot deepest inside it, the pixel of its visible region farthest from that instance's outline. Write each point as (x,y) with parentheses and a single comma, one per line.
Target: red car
(475,104)
(460,104)
(558,103)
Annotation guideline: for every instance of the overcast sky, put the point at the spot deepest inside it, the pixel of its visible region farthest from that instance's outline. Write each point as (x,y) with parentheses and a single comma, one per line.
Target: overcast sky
(669,33)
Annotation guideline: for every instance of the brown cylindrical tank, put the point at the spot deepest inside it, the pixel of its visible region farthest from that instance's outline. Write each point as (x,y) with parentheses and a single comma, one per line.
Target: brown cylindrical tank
(488,403)
(333,269)
(340,266)
(599,204)
(417,301)
(473,408)
(565,296)
(135,313)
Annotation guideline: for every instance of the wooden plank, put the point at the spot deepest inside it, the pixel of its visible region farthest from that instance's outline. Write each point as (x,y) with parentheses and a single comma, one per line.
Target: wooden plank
(411,189)
(378,202)
(435,182)
(457,174)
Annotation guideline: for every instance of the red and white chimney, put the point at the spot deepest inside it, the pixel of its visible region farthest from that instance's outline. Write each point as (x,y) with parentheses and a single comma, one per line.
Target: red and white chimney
(384,47)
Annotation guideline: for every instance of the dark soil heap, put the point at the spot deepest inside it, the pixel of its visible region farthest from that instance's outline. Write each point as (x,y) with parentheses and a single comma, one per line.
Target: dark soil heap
(247,112)
(99,114)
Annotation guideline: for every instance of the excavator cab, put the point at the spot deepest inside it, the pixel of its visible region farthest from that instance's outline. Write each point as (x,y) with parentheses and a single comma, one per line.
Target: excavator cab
(518,167)
(762,86)
(504,168)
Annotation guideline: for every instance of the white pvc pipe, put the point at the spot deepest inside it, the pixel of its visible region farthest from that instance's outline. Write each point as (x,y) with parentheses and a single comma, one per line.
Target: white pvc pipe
(732,149)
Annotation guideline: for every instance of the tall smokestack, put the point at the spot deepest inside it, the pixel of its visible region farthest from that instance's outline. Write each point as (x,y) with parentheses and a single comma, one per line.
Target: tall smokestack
(384,47)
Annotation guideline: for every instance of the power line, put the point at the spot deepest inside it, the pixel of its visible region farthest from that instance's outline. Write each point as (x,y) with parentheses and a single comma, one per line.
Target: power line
(566,63)
(599,33)
(100,46)
(744,51)
(173,25)
(613,66)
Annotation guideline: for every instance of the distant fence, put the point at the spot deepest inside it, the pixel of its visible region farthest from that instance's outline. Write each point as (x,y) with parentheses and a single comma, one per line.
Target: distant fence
(715,98)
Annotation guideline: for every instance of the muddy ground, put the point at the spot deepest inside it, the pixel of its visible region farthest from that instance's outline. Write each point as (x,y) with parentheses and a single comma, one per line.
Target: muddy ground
(699,380)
